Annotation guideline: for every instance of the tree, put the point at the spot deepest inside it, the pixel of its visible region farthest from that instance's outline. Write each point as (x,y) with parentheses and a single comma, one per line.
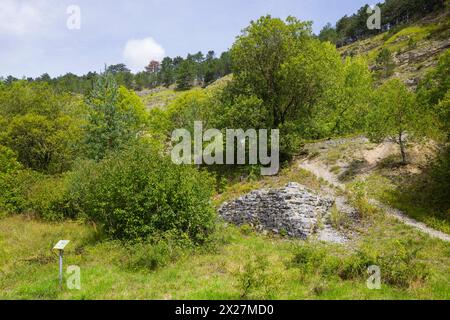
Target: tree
(225,64)
(393,115)
(45,78)
(116,116)
(139,192)
(260,56)
(153,67)
(345,105)
(116,68)
(186,74)
(434,92)
(328,33)
(385,62)
(436,82)
(211,67)
(42,144)
(167,72)
(10,79)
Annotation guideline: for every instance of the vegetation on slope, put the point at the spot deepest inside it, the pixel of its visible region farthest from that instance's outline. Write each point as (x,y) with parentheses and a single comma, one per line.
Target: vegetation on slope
(122,203)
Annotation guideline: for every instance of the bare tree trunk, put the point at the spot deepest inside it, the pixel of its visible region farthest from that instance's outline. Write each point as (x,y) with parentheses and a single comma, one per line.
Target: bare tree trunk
(402,147)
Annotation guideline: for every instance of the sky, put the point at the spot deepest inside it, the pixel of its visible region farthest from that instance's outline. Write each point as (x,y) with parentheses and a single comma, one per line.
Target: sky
(78,36)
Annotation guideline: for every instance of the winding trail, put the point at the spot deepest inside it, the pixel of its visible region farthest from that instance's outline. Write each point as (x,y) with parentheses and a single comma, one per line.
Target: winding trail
(320,170)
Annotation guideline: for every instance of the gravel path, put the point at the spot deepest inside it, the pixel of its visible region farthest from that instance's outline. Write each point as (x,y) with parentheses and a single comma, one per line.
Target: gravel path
(321,170)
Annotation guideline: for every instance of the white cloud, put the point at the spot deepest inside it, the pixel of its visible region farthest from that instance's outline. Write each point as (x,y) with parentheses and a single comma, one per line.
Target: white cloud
(139,52)
(22,17)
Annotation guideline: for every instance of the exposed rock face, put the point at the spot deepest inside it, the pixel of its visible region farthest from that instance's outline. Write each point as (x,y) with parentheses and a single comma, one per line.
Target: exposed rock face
(293,209)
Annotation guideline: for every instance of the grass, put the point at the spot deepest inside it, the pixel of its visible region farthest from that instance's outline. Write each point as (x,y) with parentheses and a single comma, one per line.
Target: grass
(161,98)
(240,265)
(386,190)
(415,33)
(236,264)
(290,174)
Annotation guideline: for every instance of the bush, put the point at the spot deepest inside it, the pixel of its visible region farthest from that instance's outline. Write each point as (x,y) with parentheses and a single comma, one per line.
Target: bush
(13,182)
(255,280)
(315,259)
(139,192)
(157,253)
(47,198)
(397,260)
(358,198)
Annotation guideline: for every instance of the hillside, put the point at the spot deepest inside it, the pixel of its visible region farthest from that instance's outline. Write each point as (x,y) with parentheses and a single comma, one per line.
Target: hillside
(415,47)
(358,191)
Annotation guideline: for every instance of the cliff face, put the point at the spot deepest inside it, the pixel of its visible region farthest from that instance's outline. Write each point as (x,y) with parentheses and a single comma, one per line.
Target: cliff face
(415,48)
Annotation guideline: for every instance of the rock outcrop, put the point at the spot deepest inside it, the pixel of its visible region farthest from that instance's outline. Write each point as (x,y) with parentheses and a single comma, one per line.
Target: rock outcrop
(293,210)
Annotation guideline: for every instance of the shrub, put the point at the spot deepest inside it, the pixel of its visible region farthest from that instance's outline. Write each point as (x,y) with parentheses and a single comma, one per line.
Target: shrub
(47,198)
(397,260)
(315,259)
(255,281)
(158,252)
(358,198)
(13,182)
(139,192)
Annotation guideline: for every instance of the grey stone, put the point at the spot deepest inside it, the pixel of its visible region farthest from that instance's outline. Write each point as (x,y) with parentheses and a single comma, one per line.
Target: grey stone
(293,210)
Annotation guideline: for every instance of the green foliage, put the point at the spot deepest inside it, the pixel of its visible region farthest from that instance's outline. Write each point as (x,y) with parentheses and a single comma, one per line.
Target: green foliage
(186,75)
(139,192)
(47,198)
(346,104)
(358,198)
(42,127)
(393,114)
(298,84)
(433,92)
(311,259)
(399,263)
(255,280)
(395,13)
(385,63)
(43,144)
(21,98)
(328,33)
(259,54)
(158,252)
(116,116)
(9,166)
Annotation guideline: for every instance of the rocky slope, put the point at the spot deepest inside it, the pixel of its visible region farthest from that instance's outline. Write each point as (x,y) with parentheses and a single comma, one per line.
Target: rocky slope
(415,47)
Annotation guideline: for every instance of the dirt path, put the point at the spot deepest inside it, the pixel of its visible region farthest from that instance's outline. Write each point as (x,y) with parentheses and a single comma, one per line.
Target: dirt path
(320,170)
(380,152)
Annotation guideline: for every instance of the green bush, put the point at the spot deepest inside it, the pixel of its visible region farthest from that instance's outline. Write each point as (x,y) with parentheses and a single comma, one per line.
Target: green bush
(398,262)
(139,192)
(313,259)
(255,281)
(47,198)
(13,182)
(157,253)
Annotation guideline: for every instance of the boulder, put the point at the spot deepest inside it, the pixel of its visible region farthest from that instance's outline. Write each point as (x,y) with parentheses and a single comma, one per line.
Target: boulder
(293,210)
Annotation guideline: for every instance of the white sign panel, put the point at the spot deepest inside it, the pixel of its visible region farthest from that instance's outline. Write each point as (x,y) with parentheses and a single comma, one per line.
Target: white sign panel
(61,245)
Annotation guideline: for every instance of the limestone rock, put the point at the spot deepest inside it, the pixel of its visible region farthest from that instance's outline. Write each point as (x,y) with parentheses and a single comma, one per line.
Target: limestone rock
(293,210)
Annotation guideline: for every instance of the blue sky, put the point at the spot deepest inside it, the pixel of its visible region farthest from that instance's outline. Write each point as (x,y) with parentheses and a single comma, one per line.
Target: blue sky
(34,37)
